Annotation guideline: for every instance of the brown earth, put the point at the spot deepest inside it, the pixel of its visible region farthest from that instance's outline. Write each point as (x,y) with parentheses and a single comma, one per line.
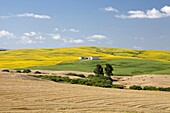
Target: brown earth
(21,93)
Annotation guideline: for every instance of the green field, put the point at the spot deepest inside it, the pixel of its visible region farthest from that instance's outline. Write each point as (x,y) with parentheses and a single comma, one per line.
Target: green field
(121,66)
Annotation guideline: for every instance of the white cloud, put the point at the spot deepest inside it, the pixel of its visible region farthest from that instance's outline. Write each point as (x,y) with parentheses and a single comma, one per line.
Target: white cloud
(137,14)
(7,34)
(37,36)
(56,29)
(166,9)
(40,38)
(111,9)
(71,30)
(74,30)
(37,16)
(154,14)
(32,38)
(30,34)
(34,16)
(56,36)
(98,37)
(76,41)
(151,13)
(26,40)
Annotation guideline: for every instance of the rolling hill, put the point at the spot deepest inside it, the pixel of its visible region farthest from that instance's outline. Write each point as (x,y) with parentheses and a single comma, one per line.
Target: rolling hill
(22,93)
(65,58)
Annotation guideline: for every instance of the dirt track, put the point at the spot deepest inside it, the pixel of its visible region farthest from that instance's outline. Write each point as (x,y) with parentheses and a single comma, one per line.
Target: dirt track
(21,93)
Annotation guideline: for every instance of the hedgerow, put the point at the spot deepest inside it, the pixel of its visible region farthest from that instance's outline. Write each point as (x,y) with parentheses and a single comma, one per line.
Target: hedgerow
(74,74)
(151,88)
(135,87)
(90,81)
(102,81)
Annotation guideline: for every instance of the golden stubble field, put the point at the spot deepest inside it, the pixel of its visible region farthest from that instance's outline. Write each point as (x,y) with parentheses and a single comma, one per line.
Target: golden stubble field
(24,94)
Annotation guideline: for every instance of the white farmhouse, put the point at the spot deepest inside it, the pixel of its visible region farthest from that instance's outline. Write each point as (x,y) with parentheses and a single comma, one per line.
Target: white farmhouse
(89,58)
(82,58)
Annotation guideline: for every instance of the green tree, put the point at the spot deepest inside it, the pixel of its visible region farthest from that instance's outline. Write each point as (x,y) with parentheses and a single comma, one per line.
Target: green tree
(108,70)
(98,70)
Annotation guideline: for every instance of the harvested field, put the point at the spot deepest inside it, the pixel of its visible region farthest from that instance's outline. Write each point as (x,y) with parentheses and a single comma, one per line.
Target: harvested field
(22,93)
(143,80)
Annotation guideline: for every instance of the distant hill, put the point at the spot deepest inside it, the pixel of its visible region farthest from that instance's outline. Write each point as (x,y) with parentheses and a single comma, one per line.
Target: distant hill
(1,49)
(44,57)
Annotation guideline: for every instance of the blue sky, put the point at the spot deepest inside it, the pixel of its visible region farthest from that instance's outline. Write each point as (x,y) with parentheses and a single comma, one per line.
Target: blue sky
(130,24)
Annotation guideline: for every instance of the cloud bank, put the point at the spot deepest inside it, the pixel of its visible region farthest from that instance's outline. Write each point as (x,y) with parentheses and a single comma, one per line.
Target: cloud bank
(6,34)
(71,30)
(100,37)
(31,38)
(75,41)
(150,13)
(34,16)
(56,36)
(31,15)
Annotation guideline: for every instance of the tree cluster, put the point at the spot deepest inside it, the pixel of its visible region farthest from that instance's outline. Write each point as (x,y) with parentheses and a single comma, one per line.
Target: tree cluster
(99,70)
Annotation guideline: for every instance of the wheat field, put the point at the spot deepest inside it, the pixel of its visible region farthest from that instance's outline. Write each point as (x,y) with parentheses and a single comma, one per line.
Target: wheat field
(24,94)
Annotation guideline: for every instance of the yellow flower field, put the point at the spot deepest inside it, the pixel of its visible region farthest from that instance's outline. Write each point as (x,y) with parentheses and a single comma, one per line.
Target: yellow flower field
(44,57)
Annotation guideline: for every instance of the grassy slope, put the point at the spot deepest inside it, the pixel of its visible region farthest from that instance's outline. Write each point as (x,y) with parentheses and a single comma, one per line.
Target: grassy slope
(67,59)
(121,66)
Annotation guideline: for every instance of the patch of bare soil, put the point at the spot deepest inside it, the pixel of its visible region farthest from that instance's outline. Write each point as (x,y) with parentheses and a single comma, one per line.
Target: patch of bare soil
(20,93)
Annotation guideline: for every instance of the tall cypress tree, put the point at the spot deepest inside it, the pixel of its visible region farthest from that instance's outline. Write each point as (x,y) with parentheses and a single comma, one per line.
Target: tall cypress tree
(99,70)
(108,70)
